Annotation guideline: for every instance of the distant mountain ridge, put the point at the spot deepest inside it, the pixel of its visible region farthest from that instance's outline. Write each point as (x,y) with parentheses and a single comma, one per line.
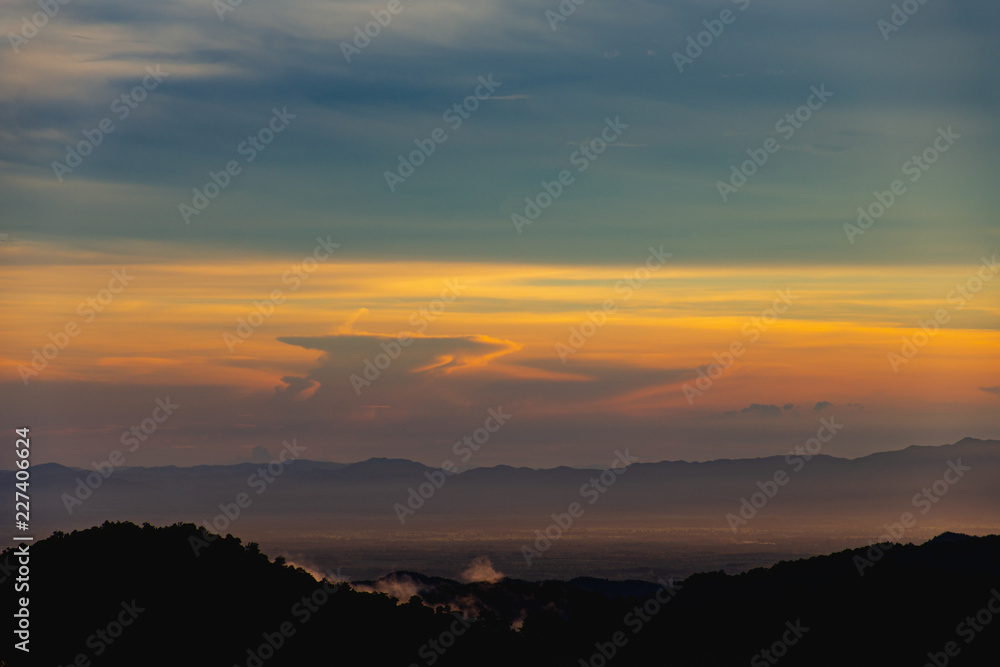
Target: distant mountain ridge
(403,495)
(377,462)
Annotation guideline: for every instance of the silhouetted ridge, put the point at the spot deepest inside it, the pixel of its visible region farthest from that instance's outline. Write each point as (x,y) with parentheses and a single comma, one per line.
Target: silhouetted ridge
(949,536)
(219,606)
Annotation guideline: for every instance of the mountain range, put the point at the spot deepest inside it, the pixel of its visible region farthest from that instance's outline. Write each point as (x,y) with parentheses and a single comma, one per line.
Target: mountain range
(948,487)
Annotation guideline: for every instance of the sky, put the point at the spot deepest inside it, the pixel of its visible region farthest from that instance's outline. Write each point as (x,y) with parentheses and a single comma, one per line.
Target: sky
(693,229)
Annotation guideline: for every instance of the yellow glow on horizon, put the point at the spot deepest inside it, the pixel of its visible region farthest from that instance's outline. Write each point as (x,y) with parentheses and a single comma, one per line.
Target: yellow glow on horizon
(168,324)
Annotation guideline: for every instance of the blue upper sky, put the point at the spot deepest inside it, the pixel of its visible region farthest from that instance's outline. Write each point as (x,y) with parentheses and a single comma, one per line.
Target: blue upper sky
(325,172)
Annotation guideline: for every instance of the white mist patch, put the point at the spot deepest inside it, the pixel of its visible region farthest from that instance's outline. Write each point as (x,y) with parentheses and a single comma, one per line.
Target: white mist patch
(316,574)
(481,569)
(400,587)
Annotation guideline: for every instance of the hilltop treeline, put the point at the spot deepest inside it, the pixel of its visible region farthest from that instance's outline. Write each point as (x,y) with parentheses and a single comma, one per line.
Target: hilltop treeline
(122,594)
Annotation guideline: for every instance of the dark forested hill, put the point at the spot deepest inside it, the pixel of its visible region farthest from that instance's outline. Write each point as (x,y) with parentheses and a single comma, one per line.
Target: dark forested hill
(122,594)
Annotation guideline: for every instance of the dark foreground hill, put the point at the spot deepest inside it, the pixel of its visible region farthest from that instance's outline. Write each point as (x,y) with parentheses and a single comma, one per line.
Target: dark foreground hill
(121,594)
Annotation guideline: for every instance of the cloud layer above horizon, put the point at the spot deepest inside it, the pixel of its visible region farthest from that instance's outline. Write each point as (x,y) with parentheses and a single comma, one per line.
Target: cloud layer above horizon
(224,153)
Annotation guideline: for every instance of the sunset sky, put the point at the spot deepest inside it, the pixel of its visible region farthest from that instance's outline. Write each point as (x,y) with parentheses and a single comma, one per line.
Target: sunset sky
(253,309)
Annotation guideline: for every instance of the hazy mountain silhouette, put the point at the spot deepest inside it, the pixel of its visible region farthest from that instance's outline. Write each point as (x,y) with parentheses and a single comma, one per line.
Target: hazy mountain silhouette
(871,489)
